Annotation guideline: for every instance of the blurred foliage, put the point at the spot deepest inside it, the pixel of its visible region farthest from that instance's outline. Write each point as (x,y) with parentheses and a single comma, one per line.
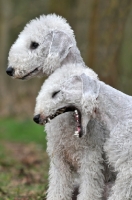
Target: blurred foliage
(103,33)
(23,161)
(18,130)
(106,35)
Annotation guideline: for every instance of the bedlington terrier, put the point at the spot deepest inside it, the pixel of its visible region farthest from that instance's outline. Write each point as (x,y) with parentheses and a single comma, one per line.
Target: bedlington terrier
(86,121)
(45,44)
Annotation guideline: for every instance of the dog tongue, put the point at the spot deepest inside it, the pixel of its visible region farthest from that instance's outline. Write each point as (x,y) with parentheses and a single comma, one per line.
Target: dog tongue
(78,129)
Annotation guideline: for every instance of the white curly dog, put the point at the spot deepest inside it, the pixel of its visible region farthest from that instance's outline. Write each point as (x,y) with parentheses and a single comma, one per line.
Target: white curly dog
(101,118)
(45,44)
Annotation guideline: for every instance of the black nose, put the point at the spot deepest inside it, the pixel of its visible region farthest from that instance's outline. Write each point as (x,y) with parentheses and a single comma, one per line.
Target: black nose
(36,118)
(10,71)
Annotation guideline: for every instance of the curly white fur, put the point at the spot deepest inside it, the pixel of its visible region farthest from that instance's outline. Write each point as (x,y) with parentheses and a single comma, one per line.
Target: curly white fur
(56,46)
(71,156)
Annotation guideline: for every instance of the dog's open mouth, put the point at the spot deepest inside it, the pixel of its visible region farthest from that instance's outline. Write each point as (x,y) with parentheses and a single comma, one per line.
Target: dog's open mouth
(77,115)
(33,72)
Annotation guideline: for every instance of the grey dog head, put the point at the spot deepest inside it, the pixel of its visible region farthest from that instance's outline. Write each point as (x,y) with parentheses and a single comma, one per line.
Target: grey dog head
(41,47)
(77,93)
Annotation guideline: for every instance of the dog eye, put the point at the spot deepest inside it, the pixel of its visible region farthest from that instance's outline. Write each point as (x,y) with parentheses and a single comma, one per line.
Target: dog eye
(34,45)
(55,93)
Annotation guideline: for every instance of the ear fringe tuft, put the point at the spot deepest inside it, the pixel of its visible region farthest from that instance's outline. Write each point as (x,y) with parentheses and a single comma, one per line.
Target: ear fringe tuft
(89,104)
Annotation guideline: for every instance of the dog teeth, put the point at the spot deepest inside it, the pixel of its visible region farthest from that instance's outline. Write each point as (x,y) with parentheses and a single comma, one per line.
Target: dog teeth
(76,112)
(54,115)
(76,133)
(60,111)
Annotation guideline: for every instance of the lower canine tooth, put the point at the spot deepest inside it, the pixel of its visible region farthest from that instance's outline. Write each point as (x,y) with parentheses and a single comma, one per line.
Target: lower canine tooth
(76,133)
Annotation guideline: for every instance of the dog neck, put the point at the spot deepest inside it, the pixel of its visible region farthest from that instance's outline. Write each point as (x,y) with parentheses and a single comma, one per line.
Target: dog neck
(74,57)
(113,106)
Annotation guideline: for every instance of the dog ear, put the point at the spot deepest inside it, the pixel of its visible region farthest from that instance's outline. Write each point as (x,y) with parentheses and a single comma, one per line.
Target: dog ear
(61,44)
(59,49)
(90,92)
(90,87)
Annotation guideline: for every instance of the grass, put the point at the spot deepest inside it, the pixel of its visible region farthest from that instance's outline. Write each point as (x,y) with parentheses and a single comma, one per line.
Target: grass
(22,131)
(23,160)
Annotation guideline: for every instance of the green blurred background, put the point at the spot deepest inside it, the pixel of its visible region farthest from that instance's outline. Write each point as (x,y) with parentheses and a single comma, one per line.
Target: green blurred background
(103,30)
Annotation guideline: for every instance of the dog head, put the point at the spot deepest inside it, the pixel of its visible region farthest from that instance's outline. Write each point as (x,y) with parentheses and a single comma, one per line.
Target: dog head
(70,93)
(40,48)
